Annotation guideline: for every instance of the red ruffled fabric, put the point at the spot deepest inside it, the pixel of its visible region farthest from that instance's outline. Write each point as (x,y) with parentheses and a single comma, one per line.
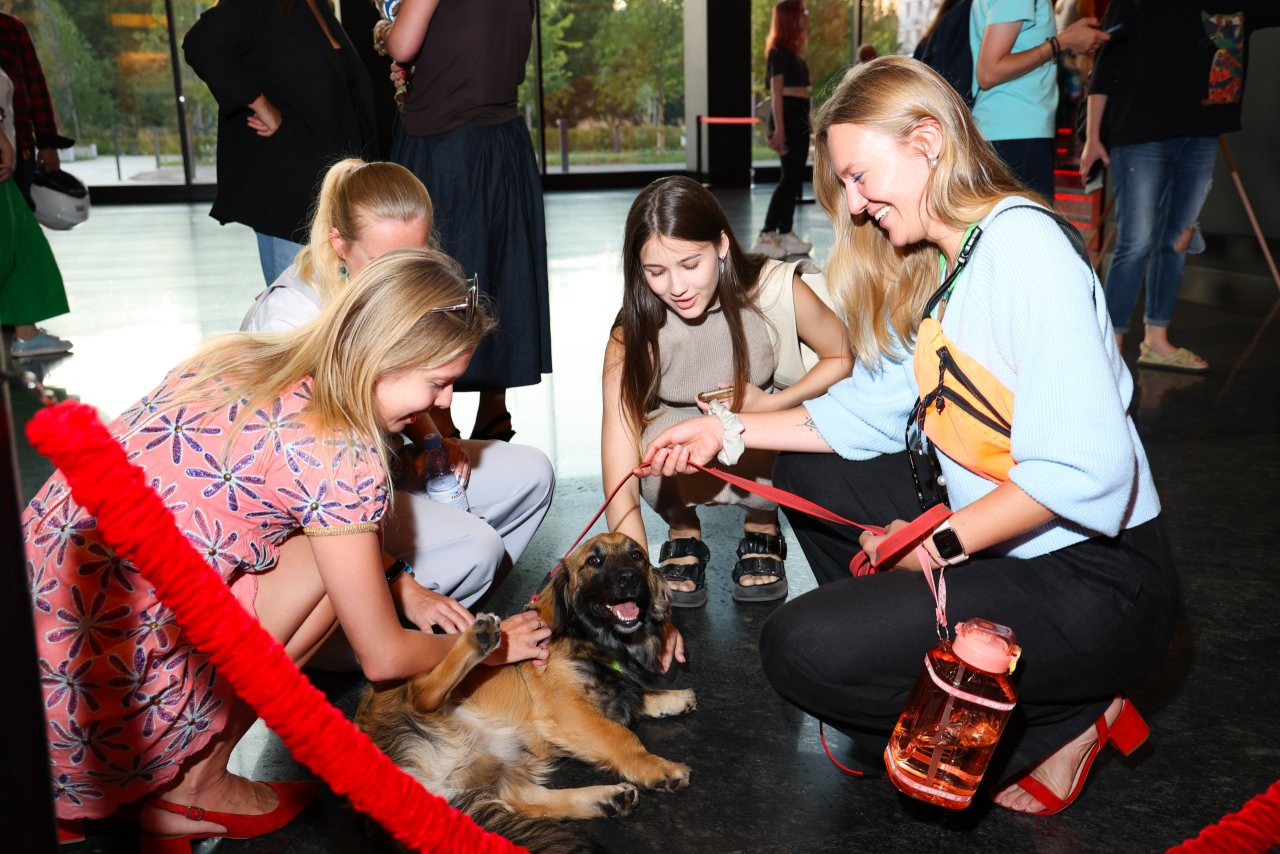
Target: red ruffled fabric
(1253,830)
(136,524)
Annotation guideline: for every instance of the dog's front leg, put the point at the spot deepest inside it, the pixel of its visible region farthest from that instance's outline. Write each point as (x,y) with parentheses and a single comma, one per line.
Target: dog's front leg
(580,730)
(665,704)
(428,691)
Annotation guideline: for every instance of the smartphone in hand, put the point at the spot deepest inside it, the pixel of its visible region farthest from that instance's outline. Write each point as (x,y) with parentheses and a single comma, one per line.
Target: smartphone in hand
(1097,175)
(721,394)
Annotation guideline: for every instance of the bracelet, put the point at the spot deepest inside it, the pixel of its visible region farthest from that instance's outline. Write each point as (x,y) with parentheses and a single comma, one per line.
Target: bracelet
(1055,46)
(733,446)
(397,569)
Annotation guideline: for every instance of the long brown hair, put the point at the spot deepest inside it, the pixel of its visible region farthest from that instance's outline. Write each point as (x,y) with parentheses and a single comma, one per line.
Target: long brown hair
(786,27)
(681,209)
(883,288)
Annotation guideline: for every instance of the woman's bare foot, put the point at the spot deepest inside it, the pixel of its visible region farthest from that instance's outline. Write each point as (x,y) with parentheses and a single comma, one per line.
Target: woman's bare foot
(1060,772)
(231,794)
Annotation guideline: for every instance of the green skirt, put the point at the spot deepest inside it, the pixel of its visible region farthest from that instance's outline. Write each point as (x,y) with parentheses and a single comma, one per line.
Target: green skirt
(30,285)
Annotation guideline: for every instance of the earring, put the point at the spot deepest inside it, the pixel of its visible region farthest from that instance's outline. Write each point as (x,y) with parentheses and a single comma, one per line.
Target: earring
(722,266)
(342,270)
(933,161)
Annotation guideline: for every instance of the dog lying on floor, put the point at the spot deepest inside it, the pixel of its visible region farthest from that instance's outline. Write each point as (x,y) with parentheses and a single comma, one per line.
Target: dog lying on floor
(486,738)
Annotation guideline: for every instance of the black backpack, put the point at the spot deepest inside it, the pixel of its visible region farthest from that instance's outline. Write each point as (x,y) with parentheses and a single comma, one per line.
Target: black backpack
(947,50)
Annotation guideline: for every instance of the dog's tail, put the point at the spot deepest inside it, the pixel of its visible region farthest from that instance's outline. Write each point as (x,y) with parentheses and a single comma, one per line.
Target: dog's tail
(538,835)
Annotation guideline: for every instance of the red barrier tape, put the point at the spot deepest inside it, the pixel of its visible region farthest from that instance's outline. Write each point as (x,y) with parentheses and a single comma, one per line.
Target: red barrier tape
(136,524)
(729,120)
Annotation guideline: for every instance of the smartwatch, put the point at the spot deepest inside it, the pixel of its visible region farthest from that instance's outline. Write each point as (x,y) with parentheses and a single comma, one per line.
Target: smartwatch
(397,569)
(948,545)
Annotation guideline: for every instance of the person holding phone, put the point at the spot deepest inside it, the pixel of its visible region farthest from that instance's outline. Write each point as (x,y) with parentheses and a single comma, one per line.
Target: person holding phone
(1016,47)
(1158,101)
(705,324)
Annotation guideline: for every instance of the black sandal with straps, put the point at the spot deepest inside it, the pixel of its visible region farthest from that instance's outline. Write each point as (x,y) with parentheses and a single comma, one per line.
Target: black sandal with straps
(769,551)
(676,572)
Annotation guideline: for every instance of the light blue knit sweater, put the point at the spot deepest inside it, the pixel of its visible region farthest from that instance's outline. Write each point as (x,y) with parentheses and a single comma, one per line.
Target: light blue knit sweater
(1033,315)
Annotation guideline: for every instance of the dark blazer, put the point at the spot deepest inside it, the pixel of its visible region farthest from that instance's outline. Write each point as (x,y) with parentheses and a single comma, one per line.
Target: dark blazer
(243,48)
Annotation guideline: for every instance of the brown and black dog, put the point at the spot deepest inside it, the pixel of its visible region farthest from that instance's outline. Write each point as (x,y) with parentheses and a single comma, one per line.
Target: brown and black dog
(486,738)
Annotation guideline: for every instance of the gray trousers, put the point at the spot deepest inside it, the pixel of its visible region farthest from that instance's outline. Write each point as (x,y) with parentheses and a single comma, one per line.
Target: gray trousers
(457,553)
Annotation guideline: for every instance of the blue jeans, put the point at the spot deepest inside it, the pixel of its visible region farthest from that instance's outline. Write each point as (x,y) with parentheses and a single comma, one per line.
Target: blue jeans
(276,254)
(1160,188)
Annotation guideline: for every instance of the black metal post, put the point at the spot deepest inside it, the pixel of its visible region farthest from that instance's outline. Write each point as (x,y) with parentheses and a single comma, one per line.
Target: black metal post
(542,114)
(697,121)
(564,145)
(26,801)
(179,99)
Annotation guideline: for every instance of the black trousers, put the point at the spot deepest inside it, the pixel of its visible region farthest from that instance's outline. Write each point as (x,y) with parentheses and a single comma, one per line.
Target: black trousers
(1031,161)
(1092,618)
(782,205)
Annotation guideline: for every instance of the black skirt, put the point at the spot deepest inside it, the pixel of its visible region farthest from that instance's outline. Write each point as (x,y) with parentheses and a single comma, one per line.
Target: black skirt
(487,196)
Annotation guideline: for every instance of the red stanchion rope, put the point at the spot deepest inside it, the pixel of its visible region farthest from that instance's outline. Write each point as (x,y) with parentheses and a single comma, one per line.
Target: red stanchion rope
(1255,829)
(136,524)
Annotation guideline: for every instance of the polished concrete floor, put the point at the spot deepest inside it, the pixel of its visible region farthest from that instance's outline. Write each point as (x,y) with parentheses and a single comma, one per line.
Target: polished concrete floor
(147,283)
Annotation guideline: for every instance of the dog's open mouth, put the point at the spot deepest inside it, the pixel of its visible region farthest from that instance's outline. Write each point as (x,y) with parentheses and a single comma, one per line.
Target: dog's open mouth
(625,614)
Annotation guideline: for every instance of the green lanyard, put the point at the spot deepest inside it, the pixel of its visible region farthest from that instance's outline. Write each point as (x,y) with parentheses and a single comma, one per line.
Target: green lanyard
(943,294)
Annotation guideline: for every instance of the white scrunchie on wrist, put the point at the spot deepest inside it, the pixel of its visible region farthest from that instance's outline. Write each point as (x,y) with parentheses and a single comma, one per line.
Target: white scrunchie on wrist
(733,446)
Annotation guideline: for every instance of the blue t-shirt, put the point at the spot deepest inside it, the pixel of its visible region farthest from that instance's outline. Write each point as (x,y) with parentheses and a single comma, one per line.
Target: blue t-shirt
(1024,107)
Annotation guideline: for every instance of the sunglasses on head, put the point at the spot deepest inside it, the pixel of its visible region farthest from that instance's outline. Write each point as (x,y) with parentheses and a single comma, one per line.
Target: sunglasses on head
(467,306)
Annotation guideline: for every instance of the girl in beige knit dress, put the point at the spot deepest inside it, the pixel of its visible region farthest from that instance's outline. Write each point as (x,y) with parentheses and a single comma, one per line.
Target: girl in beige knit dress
(698,314)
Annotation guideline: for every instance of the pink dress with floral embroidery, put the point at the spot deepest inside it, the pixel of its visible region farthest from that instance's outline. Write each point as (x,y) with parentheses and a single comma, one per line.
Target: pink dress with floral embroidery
(127,698)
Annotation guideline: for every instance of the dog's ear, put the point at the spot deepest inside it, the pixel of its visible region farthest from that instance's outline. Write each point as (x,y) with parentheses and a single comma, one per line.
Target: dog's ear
(558,591)
(659,592)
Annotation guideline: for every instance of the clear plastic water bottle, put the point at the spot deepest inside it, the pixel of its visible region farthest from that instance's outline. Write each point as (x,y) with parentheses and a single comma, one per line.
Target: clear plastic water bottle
(441,483)
(948,730)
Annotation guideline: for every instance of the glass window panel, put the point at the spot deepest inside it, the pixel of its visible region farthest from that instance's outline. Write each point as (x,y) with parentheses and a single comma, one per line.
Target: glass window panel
(107,64)
(200,108)
(613,84)
(828,54)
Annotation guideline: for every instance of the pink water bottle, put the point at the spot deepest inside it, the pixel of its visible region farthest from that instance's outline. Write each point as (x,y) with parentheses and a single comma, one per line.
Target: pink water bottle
(953,719)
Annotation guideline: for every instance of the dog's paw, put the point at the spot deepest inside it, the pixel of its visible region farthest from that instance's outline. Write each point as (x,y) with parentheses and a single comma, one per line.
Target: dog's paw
(666,704)
(487,632)
(661,774)
(677,777)
(623,802)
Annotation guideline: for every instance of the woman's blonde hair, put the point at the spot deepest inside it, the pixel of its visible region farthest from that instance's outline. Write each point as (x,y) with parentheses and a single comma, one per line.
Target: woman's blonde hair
(883,289)
(387,320)
(354,195)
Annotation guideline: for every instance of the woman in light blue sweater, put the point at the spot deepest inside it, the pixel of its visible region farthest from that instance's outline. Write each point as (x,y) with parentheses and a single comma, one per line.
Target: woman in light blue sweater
(945,270)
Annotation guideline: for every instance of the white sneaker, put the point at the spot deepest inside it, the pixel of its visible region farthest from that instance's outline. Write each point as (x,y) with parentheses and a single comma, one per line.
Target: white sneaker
(769,244)
(794,244)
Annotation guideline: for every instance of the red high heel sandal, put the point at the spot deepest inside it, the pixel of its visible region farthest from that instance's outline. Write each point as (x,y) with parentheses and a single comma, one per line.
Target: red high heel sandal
(1126,734)
(294,798)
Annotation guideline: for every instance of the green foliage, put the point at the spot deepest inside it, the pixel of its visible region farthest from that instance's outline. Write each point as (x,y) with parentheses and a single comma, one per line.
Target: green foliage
(556,47)
(640,54)
(880,25)
(80,80)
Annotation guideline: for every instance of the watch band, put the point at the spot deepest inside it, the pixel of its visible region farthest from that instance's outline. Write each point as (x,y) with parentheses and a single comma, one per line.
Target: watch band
(397,569)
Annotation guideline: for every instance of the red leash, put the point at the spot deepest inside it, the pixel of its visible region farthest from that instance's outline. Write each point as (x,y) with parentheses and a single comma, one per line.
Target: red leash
(891,550)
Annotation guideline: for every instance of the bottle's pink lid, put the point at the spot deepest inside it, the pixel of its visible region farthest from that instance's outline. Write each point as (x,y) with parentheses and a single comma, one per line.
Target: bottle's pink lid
(987,646)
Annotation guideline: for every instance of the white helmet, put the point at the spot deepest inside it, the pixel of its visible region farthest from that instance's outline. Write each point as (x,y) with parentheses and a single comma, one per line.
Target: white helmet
(61,200)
